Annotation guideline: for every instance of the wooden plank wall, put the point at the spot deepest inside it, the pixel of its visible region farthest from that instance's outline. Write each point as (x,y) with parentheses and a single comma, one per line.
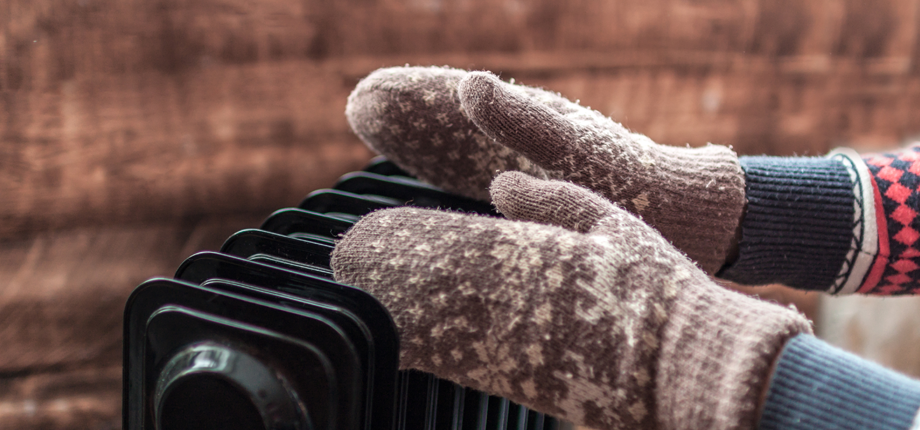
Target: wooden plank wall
(133,133)
(125,111)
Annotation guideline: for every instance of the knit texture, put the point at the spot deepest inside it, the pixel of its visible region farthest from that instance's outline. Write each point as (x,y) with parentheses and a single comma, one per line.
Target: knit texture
(816,387)
(896,183)
(693,196)
(412,115)
(798,225)
(521,197)
(613,329)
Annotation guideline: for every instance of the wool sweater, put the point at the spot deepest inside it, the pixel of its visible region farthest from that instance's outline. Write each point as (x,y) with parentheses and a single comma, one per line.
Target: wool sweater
(841,224)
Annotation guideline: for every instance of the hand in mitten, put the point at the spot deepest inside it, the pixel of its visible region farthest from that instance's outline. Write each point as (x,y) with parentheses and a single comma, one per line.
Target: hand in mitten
(412,115)
(693,196)
(814,223)
(459,140)
(608,326)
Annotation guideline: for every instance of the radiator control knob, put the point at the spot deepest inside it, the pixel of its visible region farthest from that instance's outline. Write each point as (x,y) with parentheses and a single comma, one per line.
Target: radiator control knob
(211,386)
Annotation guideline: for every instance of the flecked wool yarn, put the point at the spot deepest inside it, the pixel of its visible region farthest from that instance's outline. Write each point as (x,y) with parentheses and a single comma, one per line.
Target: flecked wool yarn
(412,115)
(612,329)
(693,196)
(458,129)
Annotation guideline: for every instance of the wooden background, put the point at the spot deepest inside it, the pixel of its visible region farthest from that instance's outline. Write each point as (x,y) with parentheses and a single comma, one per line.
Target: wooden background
(133,133)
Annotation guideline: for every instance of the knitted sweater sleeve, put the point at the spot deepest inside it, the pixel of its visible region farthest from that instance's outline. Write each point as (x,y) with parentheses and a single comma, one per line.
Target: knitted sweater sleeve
(843,224)
(816,387)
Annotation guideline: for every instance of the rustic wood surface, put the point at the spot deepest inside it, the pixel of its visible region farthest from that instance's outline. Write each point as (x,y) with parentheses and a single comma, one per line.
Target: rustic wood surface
(133,133)
(121,111)
(87,397)
(61,314)
(63,291)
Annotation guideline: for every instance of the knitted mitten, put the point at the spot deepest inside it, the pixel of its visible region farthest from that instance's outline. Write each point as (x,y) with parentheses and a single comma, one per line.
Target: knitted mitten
(412,115)
(611,329)
(841,224)
(693,196)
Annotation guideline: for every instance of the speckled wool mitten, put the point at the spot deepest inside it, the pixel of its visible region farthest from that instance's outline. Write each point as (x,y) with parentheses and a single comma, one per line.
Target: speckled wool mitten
(614,329)
(693,196)
(412,116)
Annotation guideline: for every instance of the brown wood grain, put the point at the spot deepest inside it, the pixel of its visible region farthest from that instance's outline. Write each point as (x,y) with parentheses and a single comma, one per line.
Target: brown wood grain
(85,398)
(176,35)
(64,292)
(255,137)
(115,111)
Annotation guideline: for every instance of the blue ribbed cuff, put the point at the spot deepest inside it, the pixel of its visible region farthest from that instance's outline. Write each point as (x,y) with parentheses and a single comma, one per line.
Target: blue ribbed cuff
(816,386)
(798,224)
